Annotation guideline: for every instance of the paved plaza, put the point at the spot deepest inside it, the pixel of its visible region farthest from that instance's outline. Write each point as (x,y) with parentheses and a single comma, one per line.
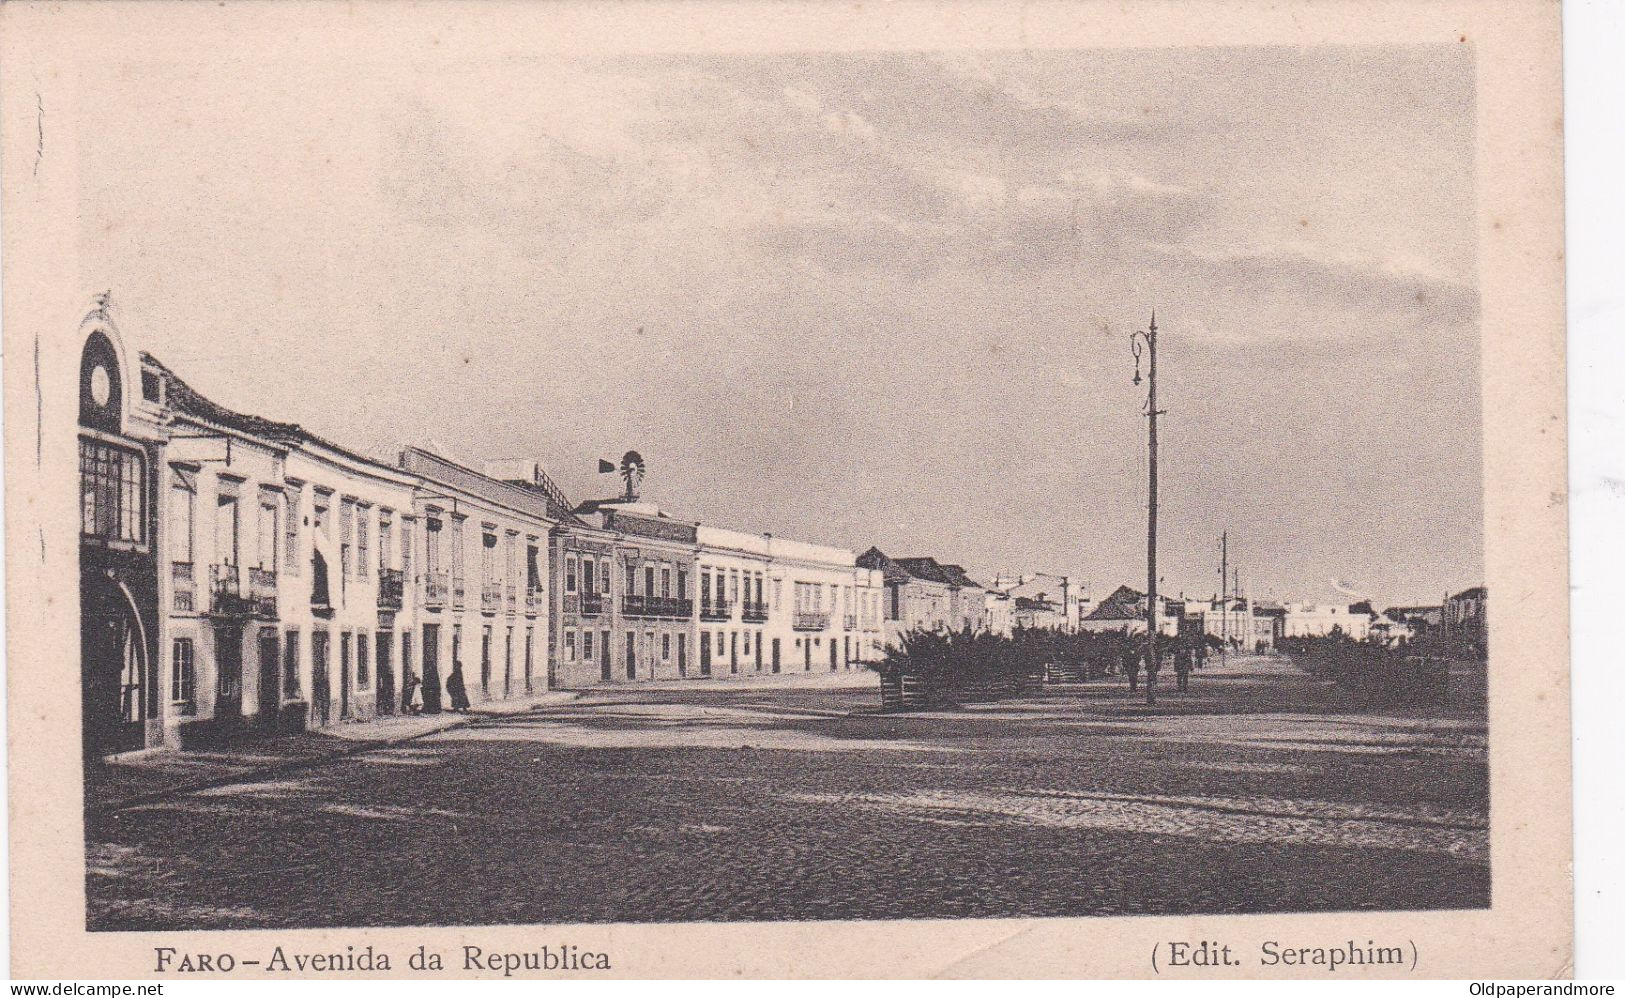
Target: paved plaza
(1261,789)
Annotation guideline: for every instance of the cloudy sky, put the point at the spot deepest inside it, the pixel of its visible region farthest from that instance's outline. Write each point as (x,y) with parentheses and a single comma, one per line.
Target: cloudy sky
(860,299)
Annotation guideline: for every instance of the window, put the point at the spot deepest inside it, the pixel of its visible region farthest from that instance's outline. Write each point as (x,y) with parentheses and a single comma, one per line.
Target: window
(408,541)
(182,506)
(533,579)
(648,580)
(225,530)
(603,575)
(457,548)
(665,582)
(112,484)
(631,579)
(488,556)
(569,646)
(570,574)
(321,518)
(363,674)
(665,646)
(290,664)
(363,554)
(346,534)
(778,593)
(270,505)
(183,675)
(290,532)
(705,585)
(586,576)
(733,587)
(386,538)
(432,559)
(150,387)
(682,584)
(586,646)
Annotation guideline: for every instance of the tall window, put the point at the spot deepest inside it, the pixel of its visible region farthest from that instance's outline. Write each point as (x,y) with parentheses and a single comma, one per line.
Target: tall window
(665,582)
(346,534)
(321,517)
(603,575)
(363,674)
(112,490)
(225,531)
(705,585)
(431,546)
(631,579)
(290,532)
(532,570)
(649,580)
(682,584)
(570,573)
(586,577)
(509,553)
(182,510)
(457,547)
(488,557)
(386,539)
(363,553)
(407,543)
(268,539)
(183,675)
(586,646)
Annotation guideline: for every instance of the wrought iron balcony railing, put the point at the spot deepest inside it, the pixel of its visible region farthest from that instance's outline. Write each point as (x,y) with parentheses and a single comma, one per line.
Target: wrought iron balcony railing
(635,606)
(715,609)
(227,598)
(391,588)
(490,597)
(533,599)
(262,592)
(754,612)
(594,604)
(510,598)
(851,621)
(457,593)
(807,620)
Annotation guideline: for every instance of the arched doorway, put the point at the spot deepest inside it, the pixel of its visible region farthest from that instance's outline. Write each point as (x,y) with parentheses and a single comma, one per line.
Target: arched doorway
(119,698)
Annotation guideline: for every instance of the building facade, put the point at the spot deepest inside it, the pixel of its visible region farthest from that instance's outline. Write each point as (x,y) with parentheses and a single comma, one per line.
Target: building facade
(121,445)
(1124,612)
(477,548)
(1317,620)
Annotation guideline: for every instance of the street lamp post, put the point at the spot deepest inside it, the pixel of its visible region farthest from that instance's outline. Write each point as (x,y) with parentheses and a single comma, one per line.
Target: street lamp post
(1148,340)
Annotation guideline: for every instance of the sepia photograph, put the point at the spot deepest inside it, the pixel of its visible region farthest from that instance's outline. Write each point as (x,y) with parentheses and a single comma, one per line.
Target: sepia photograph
(589,486)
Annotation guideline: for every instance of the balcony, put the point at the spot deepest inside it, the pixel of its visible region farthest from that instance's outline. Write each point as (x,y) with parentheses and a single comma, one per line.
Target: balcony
(391,588)
(753,612)
(815,620)
(183,580)
(594,604)
(668,606)
(436,588)
(228,599)
(262,592)
(457,593)
(715,609)
(635,606)
(510,598)
(851,621)
(490,597)
(533,599)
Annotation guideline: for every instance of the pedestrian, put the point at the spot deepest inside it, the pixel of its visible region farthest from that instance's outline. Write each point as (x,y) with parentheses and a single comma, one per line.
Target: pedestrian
(1182,665)
(1201,653)
(1131,665)
(455,688)
(411,698)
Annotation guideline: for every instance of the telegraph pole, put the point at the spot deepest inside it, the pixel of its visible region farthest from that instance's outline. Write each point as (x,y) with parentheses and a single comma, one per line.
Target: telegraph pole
(1224,574)
(1152,662)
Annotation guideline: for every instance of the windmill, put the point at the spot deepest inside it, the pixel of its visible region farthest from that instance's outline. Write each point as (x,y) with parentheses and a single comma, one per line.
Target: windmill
(631,469)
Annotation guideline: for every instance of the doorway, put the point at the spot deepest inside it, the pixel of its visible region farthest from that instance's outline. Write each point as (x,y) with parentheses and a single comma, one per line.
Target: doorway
(344,676)
(431,668)
(775,654)
(386,672)
(605,653)
(228,665)
(321,694)
(631,655)
(270,676)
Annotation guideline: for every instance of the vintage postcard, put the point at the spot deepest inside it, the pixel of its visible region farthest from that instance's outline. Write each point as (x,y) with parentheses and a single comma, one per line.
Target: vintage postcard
(785,490)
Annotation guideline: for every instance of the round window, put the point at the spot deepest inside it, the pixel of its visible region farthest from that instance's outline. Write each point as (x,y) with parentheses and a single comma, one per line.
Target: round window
(101,385)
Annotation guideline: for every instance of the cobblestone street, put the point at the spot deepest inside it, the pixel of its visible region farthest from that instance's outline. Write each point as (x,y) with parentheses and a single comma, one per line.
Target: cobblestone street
(1259,790)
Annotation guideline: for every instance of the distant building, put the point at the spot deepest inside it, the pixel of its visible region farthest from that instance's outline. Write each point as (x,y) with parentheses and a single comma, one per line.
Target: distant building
(1124,611)
(1001,609)
(924,594)
(1466,621)
(1067,595)
(1313,620)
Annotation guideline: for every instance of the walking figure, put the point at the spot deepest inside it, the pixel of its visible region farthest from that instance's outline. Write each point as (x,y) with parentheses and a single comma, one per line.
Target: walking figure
(455,689)
(412,693)
(1131,666)
(1182,665)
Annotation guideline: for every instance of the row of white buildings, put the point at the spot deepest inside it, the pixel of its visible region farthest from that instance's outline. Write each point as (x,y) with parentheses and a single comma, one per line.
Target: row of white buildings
(238,571)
